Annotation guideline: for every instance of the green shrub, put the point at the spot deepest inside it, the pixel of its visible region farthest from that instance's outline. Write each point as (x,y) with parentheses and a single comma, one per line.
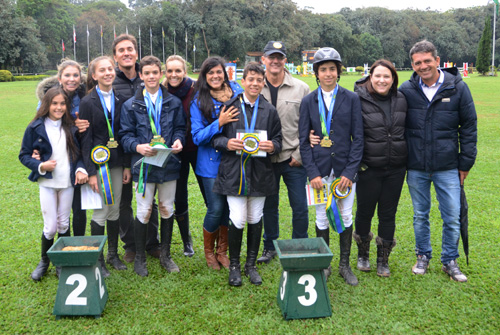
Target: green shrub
(31,78)
(5,75)
(360,69)
(50,72)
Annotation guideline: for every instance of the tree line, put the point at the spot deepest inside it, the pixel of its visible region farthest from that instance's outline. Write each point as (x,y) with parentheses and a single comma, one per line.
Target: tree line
(33,30)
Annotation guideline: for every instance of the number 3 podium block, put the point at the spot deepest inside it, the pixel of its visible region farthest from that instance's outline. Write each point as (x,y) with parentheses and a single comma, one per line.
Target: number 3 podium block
(303,292)
(81,290)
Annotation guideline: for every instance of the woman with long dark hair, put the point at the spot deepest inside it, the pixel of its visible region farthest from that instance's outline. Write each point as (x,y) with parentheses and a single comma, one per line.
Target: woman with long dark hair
(208,117)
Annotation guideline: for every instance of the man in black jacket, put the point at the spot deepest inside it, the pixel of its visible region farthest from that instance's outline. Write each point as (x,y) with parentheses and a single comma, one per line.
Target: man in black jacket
(441,132)
(126,83)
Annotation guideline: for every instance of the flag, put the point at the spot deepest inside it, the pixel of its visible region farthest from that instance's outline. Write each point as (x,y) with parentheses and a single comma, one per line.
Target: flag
(162,32)
(126,29)
(497,5)
(74,35)
(63,47)
(186,39)
(114,31)
(194,47)
(150,33)
(101,31)
(88,34)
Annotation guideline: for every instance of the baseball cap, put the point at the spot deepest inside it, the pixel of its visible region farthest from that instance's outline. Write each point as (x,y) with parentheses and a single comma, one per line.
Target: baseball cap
(274,47)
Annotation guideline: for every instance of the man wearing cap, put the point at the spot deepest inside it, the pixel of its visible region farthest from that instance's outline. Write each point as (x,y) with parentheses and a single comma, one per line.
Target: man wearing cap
(285,93)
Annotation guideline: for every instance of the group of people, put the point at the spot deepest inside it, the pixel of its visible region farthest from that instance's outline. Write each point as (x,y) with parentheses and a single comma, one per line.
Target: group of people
(240,142)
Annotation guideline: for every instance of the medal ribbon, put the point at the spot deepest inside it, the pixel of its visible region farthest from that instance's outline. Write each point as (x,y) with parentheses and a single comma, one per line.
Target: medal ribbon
(154,111)
(244,155)
(325,123)
(111,129)
(332,209)
(143,178)
(100,156)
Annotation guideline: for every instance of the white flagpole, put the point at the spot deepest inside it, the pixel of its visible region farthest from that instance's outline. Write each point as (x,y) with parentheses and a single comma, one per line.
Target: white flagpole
(74,42)
(163,43)
(102,49)
(140,48)
(492,72)
(151,40)
(88,52)
(174,44)
(186,39)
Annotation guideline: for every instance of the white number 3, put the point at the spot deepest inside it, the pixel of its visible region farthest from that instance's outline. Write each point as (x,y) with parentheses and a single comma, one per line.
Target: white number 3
(309,288)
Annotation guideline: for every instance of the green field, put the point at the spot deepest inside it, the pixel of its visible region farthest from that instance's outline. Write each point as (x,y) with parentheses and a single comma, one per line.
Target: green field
(198,300)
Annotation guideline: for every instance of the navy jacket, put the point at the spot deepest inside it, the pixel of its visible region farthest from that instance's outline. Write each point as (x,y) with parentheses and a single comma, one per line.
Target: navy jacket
(442,133)
(126,87)
(97,133)
(259,176)
(35,138)
(346,133)
(135,128)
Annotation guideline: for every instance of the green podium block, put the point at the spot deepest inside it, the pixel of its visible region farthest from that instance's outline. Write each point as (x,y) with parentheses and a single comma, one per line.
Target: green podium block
(302,292)
(81,290)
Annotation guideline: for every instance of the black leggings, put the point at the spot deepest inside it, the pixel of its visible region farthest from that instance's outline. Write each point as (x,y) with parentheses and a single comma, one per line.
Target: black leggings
(380,187)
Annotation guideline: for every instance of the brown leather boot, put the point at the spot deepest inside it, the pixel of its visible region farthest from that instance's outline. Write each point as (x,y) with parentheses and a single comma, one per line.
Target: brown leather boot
(221,253)
(209,245)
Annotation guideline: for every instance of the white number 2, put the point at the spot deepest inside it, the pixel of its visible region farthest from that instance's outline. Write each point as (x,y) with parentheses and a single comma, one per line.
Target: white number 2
(309,288)
(73,298)
(98,277)
(282,288)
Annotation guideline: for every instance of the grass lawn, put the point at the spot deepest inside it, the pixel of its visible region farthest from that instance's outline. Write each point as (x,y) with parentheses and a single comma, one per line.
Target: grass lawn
(198,300)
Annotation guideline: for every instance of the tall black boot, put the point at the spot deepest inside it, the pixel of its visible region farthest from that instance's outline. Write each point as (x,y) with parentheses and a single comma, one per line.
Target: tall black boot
(96,229)
(112,258)
(325,234)
(44,263)
(183,223)
(235,236)
(345,241)
(384,249)
(166,227)
(363,243)
(140,231)
(254,233)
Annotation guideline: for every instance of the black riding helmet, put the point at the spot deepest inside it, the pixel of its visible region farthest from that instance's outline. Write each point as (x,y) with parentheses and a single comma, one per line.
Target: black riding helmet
(327,55)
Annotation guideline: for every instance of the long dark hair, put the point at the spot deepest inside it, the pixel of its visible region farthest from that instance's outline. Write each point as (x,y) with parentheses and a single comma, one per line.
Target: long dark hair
(394,73)
(202,89)
(66,121)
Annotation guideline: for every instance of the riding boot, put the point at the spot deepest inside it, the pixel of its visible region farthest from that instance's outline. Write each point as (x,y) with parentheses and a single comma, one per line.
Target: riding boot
(325,234)
(363,243)
(221,249)
(209,246)
(235,236)
(183,223)
(96,229)
(166,228)
(254,233)
(384,249)
(112,258)
(345,241)
(140,231)
(44,263)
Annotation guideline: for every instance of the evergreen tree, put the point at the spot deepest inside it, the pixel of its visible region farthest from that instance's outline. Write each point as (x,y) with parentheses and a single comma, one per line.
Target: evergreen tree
(484,48)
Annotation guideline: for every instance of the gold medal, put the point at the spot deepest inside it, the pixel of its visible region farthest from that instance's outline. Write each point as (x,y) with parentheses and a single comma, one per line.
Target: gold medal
(326,142)
(112,143)
(157,139)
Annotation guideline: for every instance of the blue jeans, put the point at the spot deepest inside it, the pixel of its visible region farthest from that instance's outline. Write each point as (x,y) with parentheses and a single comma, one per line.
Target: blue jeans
(295,179)
(217,207)
(447,186)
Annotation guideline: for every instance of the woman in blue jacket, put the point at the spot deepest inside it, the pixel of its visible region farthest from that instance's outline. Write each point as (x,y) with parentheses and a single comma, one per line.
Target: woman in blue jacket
(208,116)
(334,113)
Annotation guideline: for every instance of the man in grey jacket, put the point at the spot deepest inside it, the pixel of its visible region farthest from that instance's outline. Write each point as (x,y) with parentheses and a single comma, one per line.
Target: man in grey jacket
(285,93)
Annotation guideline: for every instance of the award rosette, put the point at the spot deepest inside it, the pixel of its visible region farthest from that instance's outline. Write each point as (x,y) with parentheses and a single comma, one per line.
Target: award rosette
(332,209)
(251,146)
(100,155)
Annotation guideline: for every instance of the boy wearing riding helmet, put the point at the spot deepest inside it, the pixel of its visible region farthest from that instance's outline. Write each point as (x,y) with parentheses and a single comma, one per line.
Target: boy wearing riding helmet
(333,113)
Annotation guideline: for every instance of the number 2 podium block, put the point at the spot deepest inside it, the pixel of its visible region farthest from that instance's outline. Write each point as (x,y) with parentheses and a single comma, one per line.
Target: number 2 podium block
(303,292)
(82,290)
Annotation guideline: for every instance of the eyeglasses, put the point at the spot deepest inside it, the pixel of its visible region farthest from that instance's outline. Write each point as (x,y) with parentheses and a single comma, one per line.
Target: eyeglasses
(277,57)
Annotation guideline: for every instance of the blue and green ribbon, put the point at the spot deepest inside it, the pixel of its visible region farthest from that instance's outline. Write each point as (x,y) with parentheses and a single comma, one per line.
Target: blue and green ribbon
(332,209)
(249,136)
(100,156)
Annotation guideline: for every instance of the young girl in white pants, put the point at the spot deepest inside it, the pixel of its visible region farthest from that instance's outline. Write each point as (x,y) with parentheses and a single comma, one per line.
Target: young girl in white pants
(52,134)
